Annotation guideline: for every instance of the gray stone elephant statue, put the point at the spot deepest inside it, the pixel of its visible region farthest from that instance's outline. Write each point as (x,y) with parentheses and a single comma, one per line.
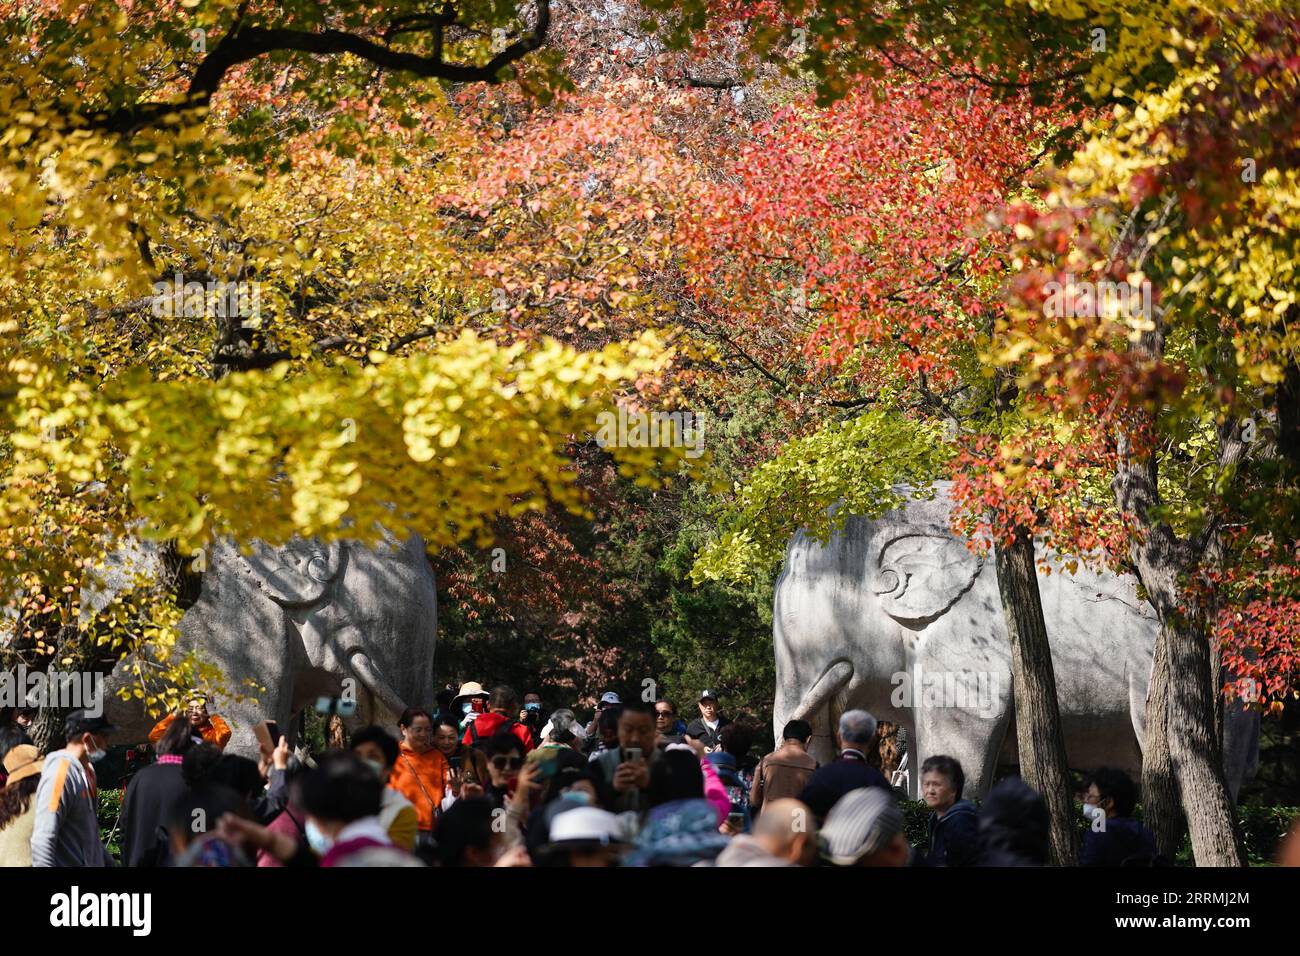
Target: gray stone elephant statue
(899,617)
(310,620)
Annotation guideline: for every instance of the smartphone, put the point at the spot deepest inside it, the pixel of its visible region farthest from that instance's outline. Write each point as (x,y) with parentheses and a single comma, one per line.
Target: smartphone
(268,735)
(454,762)
(546,768)
(476,705)
(336,705)
(735,820)
(632,755)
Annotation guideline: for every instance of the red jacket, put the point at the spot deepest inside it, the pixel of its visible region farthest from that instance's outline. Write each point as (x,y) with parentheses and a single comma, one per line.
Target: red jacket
(488,724)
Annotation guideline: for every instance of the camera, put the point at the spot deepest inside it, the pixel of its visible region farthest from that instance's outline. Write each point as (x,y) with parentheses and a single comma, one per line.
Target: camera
(342,706)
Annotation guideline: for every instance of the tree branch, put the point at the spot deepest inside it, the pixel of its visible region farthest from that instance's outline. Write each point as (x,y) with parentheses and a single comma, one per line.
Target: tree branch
(245,43)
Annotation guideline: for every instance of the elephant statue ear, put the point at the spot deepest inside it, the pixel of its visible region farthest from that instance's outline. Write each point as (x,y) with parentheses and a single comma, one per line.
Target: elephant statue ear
(300,572)
(920,576)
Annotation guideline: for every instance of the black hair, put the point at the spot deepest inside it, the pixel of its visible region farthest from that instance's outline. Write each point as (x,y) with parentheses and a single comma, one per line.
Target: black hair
(11,737)
(570,767)
(178,738)
(503,742)
(676,775)
(637,707)
(198,763)
(466,824)
(799,730)
(671,706)
(409,715)
(239,774)
(444,699)
(1014,826)
(1117,785)
(341,788)
(381,738)
(949,767)
(199,810)
(503,697)
(736,739)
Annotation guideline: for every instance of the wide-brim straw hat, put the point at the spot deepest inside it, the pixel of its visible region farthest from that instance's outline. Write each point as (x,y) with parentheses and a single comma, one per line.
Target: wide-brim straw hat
(22,762)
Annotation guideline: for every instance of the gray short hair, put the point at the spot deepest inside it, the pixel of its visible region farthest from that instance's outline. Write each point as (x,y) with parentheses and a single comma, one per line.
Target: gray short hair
(857,727)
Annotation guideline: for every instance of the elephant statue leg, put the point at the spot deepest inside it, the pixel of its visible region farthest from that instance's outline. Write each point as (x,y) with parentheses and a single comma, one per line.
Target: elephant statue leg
(963,714)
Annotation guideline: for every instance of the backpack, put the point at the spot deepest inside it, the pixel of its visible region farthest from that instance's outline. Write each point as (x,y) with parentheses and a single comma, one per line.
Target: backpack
(478,743)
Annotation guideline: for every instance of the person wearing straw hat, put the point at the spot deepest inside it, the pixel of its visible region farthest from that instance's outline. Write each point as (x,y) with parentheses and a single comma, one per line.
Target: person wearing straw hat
(17,808)
(470,701)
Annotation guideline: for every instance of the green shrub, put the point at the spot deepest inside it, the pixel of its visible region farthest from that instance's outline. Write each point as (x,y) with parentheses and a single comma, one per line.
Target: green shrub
(109,812)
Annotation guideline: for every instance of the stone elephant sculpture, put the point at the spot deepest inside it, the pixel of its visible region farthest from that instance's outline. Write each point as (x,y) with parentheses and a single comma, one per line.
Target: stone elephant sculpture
(897,616)
(303,618)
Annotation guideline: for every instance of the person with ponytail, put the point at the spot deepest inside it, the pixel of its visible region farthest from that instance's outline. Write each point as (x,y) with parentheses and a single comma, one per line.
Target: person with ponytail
(149,798)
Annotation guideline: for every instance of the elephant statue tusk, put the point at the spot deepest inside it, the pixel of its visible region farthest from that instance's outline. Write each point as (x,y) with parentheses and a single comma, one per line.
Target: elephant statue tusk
(835,679)
(382,690)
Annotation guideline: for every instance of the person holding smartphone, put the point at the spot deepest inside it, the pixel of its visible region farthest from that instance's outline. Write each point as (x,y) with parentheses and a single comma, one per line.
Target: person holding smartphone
(622,773)
(467,768)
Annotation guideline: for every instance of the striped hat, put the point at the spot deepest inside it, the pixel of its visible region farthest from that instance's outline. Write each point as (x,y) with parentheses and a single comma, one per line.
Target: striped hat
(861,822)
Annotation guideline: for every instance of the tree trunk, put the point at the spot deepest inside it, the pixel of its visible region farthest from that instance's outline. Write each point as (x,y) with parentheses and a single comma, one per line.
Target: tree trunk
(1160,809)
(1038,717)
(1196,751)
(46,729)
(1181,700)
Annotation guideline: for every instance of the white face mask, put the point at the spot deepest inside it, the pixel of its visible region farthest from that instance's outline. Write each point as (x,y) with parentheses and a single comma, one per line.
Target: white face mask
(317,839)
(94,754)
(1091,811)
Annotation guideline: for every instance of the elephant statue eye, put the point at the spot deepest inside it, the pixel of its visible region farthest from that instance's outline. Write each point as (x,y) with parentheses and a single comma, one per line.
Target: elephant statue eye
(887,581)
(318,568)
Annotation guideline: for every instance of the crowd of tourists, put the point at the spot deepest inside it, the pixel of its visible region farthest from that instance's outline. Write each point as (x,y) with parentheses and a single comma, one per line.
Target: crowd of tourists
(485,779)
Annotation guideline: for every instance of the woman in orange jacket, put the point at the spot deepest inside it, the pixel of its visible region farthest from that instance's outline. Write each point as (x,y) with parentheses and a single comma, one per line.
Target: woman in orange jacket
(419,772)
(211,728)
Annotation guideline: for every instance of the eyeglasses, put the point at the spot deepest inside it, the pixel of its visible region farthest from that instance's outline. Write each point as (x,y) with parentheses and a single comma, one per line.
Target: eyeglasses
(663,713)
(419,730)
(507,763)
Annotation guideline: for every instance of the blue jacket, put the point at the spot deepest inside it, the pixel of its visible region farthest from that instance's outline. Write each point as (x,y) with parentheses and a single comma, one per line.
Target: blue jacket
(954,836)
(1123,839)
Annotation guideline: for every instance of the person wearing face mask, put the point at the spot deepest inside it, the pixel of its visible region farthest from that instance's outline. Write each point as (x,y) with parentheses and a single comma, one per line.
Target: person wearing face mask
(340,799)
(531,716)
(469,703)
(1113,837)
(379,750)
(66,832)
(569,785)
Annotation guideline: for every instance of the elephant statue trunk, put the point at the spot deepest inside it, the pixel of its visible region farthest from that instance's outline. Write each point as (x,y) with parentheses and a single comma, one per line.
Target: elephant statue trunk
(898,616)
